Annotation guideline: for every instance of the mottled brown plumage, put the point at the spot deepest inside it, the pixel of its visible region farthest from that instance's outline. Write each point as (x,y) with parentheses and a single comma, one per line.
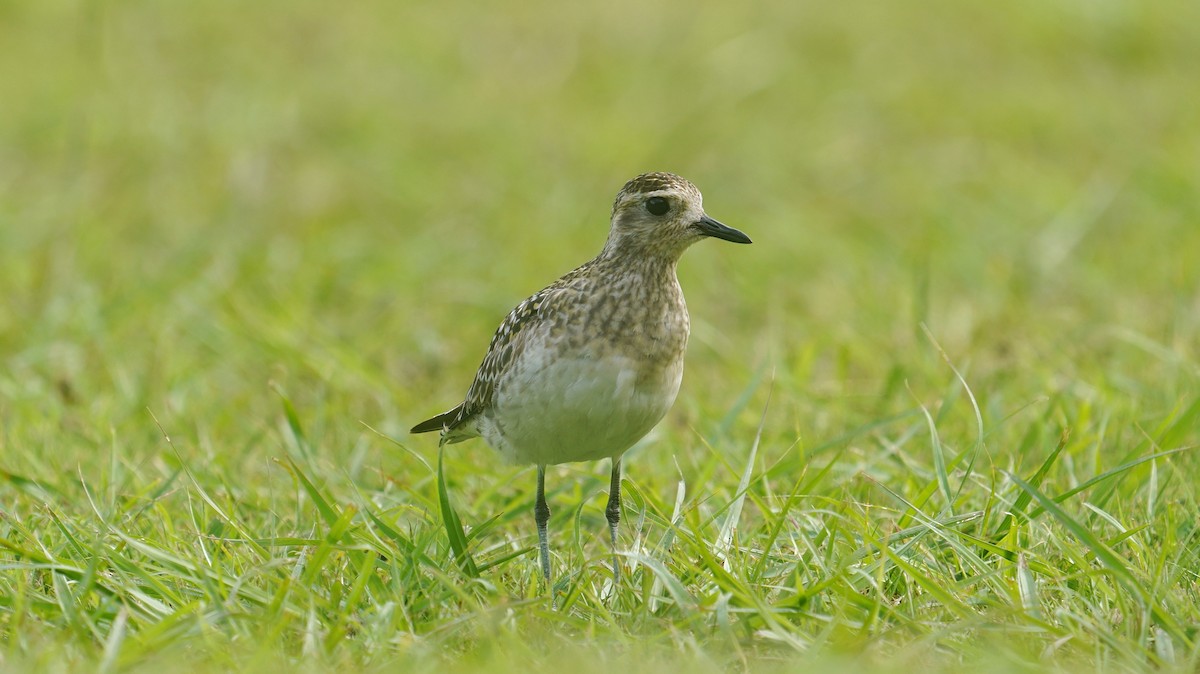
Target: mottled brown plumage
(585,367)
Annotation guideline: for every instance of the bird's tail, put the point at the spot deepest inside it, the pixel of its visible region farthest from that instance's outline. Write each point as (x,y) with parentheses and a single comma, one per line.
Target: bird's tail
(440,422)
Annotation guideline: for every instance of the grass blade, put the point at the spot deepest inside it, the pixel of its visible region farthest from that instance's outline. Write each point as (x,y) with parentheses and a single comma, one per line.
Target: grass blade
(1018,507)
(454,528)
(1107,557)
(729,525)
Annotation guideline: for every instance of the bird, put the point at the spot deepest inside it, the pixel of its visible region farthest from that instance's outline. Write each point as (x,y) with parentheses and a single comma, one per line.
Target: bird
(584,368)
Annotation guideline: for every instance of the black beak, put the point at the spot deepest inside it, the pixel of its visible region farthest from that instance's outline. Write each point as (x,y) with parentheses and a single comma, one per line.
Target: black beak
(709,227)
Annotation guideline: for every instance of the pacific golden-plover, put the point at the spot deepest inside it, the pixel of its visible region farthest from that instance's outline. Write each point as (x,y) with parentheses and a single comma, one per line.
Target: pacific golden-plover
(585,367)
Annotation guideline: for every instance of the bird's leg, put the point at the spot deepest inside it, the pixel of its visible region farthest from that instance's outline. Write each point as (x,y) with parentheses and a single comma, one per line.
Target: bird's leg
(541,514)
(613,512)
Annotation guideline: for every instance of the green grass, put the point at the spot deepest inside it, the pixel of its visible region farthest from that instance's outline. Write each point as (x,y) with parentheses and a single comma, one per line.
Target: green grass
(943,415)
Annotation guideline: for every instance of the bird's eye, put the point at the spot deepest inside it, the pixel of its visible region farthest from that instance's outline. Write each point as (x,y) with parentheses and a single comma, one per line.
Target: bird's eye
(658,205)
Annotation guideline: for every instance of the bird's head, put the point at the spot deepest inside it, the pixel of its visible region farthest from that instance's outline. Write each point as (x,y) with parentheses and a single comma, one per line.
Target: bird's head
(662,214)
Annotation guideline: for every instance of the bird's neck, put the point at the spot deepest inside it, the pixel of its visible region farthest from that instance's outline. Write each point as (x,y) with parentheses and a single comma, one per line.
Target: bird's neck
(647,263)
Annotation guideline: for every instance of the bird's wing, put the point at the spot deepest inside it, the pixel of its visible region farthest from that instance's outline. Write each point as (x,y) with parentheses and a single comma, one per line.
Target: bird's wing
(507,344)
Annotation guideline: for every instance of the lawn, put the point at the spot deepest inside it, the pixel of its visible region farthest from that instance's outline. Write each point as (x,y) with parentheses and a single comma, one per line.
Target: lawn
(943,414)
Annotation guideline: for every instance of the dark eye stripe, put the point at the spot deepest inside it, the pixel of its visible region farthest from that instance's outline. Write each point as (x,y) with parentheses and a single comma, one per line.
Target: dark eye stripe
(658,206)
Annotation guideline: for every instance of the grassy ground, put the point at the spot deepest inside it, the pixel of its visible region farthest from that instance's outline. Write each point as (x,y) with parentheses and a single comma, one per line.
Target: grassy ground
(943,414)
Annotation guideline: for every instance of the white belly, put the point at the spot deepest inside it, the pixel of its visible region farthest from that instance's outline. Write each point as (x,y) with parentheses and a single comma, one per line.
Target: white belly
(576,409)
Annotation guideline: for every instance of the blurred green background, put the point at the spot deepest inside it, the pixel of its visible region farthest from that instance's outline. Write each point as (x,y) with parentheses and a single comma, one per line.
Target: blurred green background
(196,198)
(200,202)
